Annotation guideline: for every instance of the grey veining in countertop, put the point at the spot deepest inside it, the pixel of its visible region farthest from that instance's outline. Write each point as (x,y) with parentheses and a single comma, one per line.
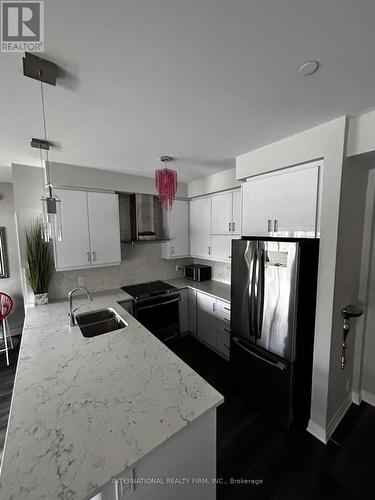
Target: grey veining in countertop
(85,409)
(212,287)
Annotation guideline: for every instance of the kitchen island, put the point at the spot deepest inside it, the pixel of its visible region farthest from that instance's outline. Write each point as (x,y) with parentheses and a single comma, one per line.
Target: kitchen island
(118,405)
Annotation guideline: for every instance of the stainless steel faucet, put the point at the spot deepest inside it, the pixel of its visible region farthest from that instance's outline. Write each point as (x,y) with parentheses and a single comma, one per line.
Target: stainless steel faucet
(72,318)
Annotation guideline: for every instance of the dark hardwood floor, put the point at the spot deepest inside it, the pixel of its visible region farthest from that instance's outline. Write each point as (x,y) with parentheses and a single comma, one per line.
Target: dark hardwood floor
(282,465)
(7,374)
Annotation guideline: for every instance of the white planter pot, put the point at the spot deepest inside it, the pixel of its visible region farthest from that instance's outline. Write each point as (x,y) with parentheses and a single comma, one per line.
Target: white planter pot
(40,299)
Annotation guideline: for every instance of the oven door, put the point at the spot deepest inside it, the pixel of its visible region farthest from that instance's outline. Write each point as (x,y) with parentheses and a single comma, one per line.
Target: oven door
(160,315)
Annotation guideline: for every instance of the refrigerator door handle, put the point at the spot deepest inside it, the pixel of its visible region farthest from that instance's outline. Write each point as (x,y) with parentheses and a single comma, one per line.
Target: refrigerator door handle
(260,292)
(279,365)
(251,288)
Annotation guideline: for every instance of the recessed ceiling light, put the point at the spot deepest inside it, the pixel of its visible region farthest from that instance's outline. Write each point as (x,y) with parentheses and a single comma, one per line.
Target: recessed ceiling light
(308,68)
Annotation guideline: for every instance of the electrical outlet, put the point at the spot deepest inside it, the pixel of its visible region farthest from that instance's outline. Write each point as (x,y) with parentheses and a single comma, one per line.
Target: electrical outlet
(81,281)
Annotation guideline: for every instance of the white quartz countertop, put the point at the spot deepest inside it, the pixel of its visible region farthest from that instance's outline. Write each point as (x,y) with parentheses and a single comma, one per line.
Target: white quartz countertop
(86,409)
(211,287)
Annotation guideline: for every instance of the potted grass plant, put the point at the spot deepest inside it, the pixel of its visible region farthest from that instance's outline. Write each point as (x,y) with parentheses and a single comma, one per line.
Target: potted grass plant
(39,263)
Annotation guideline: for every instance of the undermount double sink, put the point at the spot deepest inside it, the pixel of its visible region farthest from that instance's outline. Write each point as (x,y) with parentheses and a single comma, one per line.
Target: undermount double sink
(98,322)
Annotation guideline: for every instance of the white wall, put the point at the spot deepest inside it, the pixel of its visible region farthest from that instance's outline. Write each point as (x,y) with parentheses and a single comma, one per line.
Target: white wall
(142,262)
(361,136)
(28,190)
(64,175)
(326,141)
(12,285)
(348,271)
(364,365)
(213,183)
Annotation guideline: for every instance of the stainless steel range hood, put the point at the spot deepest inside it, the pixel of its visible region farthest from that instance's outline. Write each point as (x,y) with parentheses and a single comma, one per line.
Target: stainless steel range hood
(146,219)
(142,217)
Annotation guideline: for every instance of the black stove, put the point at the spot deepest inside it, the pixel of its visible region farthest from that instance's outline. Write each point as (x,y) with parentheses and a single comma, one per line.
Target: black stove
(149,289)
(156,306)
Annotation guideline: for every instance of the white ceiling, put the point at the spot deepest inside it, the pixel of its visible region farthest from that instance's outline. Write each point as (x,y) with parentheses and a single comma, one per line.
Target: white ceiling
(201,80)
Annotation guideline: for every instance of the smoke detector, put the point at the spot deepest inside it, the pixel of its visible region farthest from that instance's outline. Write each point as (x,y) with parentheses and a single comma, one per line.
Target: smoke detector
(308,68)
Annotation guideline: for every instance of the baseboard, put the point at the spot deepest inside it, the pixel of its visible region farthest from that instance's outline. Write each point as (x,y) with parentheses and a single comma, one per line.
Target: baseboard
(368,397)
(324,435)
(332,426)
(356,398)
(317,431)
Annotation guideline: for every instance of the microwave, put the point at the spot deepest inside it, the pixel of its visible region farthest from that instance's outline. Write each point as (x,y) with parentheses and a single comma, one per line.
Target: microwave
(198,272)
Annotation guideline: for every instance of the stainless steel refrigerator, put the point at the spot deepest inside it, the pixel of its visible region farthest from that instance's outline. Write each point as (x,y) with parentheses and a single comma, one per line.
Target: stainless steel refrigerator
(273,294)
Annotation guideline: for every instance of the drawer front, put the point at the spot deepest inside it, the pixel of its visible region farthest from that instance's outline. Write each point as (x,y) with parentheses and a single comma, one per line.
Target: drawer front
(223,343)
(223,317)
(223,306)
(223,328)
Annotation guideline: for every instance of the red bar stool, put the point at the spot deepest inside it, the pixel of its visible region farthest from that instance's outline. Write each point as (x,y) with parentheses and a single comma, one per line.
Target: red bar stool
(6,306)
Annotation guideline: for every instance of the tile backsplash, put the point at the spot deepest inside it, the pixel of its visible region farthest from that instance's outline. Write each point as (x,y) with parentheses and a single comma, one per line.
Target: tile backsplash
(141,262)
(220,270)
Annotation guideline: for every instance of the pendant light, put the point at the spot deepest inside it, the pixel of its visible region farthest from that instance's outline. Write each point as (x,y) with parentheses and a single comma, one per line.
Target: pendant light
(166,183)
(46,72)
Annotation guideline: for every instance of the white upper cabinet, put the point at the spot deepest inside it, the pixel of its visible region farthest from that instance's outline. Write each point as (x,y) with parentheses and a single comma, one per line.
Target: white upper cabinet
(177,230)
(257,206)
(214,221)
(283,204)
(236,217)
(226,212)
(74,250)
(222,246)
(296,197)
(200,227)
(104,228)
(90,229)
(222,213)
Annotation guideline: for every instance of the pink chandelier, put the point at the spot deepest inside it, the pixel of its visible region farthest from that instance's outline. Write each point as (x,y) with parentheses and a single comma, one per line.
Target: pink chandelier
(166,184)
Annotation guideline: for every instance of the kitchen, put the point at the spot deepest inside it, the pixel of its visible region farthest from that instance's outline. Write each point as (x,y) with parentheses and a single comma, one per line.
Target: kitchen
(178,335)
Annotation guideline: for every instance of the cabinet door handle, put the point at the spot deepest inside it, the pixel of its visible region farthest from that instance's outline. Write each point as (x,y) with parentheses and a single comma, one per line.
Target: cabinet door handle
(88,257)
(94,256)
(209,250)
(172,250)
(213,306)
(233,226)
(269,225)
(230,225)
(275,225)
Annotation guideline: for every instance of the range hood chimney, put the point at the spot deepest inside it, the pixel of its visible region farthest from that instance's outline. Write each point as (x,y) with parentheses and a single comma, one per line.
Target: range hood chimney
(142,217)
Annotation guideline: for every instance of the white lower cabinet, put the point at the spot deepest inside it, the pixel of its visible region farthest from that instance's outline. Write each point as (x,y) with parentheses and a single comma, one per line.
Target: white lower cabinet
(213,323)
(223,343)
(206,318)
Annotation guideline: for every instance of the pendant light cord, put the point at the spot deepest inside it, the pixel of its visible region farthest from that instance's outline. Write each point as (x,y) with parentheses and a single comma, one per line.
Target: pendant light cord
(48,178)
